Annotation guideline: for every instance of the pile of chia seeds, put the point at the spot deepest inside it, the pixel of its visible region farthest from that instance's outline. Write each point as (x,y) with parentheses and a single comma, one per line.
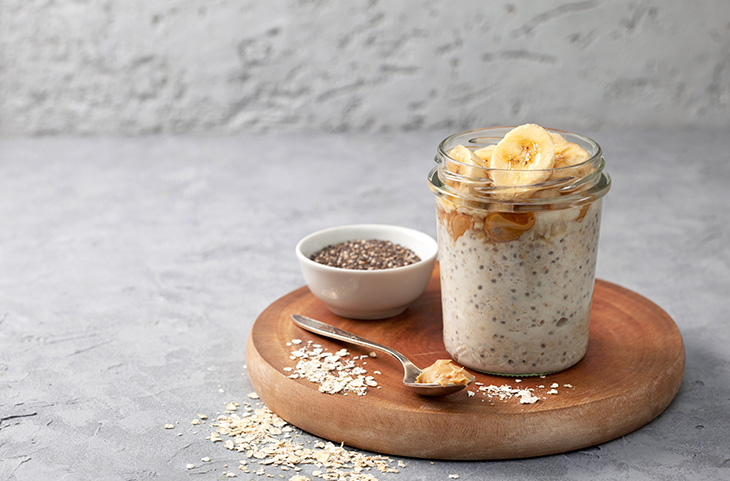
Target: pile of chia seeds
(366,255)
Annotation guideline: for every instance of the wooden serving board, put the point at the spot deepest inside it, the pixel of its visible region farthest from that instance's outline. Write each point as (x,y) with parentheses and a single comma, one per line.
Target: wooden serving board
(630,374)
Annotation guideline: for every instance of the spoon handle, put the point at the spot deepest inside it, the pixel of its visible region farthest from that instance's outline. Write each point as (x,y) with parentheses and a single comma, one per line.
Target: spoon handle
(333,332)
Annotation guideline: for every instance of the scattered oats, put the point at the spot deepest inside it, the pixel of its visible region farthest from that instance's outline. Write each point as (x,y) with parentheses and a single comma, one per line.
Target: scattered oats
(453,476)
(179,434)
(296,341)
(288,369)
(470,393)
(377,372)
(554,385)
(265,439)
(527,397)
(506,392)
(259,438)
(567,385)
(220,390)
(373,354)
(541,386)
(518,380)
(542,376)
(553,391)
(334,373)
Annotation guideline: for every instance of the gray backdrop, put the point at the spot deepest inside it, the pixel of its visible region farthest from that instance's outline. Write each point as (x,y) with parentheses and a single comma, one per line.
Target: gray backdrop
(133,266)
(140,67)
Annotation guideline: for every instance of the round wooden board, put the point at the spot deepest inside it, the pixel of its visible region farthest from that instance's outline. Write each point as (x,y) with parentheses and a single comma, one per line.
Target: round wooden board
(630,374)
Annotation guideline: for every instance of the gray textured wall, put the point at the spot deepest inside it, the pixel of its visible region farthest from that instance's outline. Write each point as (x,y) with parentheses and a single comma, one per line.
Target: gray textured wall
(140,66)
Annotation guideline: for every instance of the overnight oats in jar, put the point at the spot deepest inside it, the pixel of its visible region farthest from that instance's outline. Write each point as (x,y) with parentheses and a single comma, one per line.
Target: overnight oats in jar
(518,213)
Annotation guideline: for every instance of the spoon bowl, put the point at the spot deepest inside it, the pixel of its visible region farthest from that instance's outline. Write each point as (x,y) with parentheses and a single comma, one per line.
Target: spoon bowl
(411,371)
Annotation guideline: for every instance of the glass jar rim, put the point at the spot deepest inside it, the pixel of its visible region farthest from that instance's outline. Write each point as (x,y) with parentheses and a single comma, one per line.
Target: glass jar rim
(474,141)
(572,185)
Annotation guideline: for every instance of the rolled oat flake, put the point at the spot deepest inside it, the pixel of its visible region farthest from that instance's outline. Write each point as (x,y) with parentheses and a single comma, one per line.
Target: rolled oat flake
(366,255)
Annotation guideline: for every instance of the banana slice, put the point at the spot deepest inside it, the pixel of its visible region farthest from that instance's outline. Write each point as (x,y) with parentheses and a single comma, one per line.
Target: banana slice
(522,157)
(468,165)
(557,138)
(568,154)
(485,154)
(467,158)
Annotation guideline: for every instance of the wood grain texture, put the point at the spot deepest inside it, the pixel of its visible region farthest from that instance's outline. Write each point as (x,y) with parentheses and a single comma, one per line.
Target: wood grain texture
(630,374)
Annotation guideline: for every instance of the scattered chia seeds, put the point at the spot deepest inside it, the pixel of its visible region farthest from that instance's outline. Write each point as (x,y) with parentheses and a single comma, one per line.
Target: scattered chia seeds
(366,255)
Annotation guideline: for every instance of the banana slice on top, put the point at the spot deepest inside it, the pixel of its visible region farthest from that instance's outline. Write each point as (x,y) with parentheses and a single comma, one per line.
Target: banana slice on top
(485,153)
(522,157)
(470,165)
(567,153)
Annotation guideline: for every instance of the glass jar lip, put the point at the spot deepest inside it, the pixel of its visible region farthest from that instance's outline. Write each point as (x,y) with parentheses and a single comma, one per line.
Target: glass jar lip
(595,152)
(470,185)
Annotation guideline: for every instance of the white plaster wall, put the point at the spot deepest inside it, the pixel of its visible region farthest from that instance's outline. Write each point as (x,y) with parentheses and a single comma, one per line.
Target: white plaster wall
(143,66)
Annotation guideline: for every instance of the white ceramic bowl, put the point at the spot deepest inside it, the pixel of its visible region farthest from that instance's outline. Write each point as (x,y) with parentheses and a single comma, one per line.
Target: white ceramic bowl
(375,294)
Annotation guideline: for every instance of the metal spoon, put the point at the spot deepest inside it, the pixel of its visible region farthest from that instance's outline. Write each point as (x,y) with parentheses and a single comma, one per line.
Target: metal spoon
(411,371)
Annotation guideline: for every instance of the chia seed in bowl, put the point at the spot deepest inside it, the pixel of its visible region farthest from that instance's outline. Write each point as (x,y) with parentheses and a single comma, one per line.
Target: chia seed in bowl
(366,255)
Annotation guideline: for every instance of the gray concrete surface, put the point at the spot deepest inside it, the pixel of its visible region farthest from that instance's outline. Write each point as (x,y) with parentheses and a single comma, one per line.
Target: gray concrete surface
(121,66)
(131,271)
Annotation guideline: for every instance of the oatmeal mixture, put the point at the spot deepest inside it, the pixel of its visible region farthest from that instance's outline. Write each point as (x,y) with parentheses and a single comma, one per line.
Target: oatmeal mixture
(523,305)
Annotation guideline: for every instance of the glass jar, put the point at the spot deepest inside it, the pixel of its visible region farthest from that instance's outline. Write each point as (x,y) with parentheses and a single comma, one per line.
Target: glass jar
(517,263)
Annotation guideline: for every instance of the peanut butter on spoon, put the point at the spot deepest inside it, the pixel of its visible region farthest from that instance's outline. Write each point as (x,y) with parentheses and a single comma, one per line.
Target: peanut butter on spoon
(445,373)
